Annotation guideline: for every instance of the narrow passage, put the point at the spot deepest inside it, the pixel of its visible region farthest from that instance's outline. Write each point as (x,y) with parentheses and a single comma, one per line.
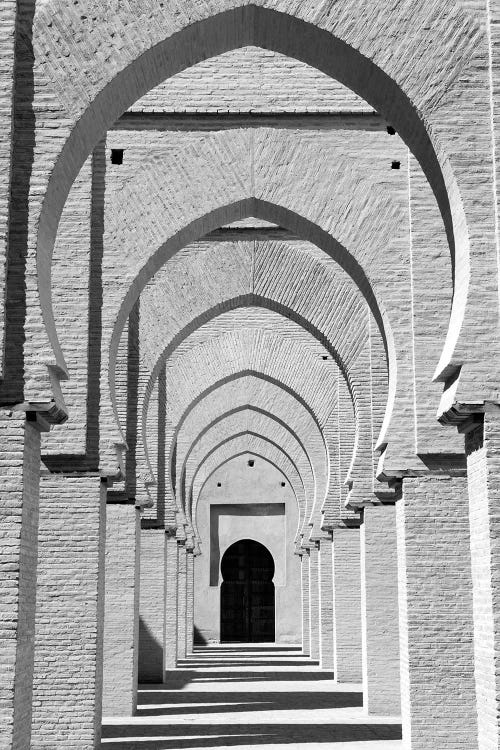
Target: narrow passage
(246,695)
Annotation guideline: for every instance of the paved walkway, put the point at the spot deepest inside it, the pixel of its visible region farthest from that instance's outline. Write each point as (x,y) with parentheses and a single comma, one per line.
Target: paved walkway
(242,696)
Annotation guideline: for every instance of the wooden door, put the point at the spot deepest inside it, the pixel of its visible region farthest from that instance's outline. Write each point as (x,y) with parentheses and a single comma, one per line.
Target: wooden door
(247,593)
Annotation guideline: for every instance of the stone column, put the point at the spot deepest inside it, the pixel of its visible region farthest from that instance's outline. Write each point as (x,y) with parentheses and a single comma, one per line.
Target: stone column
(152,605)
(379,611)
(190,602)
(437,649)
(181,600)
(483,470)
(121,610)
(314,601)
(306,633)
(326,660)
(67,686)
(348,665)
(19,481)
(171,573)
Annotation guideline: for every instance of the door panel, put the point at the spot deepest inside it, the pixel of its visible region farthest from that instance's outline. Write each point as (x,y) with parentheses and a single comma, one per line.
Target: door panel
(247,593)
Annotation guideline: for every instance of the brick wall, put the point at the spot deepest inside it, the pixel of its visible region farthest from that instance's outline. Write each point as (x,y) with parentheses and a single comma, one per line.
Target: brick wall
(250,79)
(152,605)
(438,690)
(347,604)
(306,631)
(121,612)
(19,474)
(171,568)
(379,610)
(181,601)
(483,465)
(326,613)
(314,601)
(67,687)
(190,603)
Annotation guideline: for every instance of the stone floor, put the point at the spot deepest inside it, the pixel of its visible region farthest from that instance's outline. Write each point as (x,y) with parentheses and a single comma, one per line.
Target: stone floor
(246,695)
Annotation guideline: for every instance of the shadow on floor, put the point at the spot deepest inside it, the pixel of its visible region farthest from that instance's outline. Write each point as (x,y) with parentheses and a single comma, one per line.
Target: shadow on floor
(250,649)
(215,664)
(191,695)
(178,679)
(213,702)
(170,737)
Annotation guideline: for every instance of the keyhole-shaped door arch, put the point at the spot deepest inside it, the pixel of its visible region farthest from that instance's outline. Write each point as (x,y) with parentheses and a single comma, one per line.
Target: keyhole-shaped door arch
(247,609)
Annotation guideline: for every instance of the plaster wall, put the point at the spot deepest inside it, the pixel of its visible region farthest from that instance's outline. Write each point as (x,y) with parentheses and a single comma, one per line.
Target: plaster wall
(247,502)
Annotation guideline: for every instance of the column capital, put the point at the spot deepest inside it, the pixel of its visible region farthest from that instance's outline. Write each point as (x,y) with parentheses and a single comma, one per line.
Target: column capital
(52,412)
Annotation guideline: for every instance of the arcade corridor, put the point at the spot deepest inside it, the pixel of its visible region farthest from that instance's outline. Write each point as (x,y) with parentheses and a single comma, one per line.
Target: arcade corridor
(247,695)
(249,383)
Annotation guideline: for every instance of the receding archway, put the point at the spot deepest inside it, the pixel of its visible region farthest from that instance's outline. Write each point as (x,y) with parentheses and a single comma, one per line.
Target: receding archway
(247,602)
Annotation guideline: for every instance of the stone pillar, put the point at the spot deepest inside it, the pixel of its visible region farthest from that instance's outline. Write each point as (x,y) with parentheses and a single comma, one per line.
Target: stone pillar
(190,602)
(121,610)
(181,600)
(483,470)
(19,482)
(348,665)
(314,601)
(437,649)
(67,686)
(326,660)
(379,611)
(306,633)
(171,572)
(152,605)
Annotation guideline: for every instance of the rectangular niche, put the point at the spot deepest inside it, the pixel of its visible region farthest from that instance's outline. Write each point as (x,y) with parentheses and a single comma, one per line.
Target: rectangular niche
(263,522)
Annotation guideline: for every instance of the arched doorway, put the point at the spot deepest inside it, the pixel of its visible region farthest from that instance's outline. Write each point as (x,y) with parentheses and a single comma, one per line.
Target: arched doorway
(247,610)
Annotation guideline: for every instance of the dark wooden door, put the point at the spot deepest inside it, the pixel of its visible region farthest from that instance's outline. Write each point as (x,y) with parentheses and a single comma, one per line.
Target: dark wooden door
(247,593)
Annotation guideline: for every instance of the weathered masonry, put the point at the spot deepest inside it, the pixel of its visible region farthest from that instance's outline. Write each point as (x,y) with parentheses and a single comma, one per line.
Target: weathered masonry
(249,392)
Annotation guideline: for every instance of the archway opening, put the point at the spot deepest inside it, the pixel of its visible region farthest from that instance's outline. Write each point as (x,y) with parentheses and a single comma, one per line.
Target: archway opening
(247,601)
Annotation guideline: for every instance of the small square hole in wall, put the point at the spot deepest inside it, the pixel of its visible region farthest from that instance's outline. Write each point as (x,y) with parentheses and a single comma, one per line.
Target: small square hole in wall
(116,156)
(219,484)
(324,356)
(391,130)
(283,484)
(396,165)
(251,462)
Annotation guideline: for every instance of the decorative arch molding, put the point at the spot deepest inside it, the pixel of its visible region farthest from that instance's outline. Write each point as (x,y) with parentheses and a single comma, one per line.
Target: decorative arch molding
(170,501)
(262,425)
(362,398)
(331,49)
(300,226)
(250,300)
(258,446)
(234,304)
(317,467)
